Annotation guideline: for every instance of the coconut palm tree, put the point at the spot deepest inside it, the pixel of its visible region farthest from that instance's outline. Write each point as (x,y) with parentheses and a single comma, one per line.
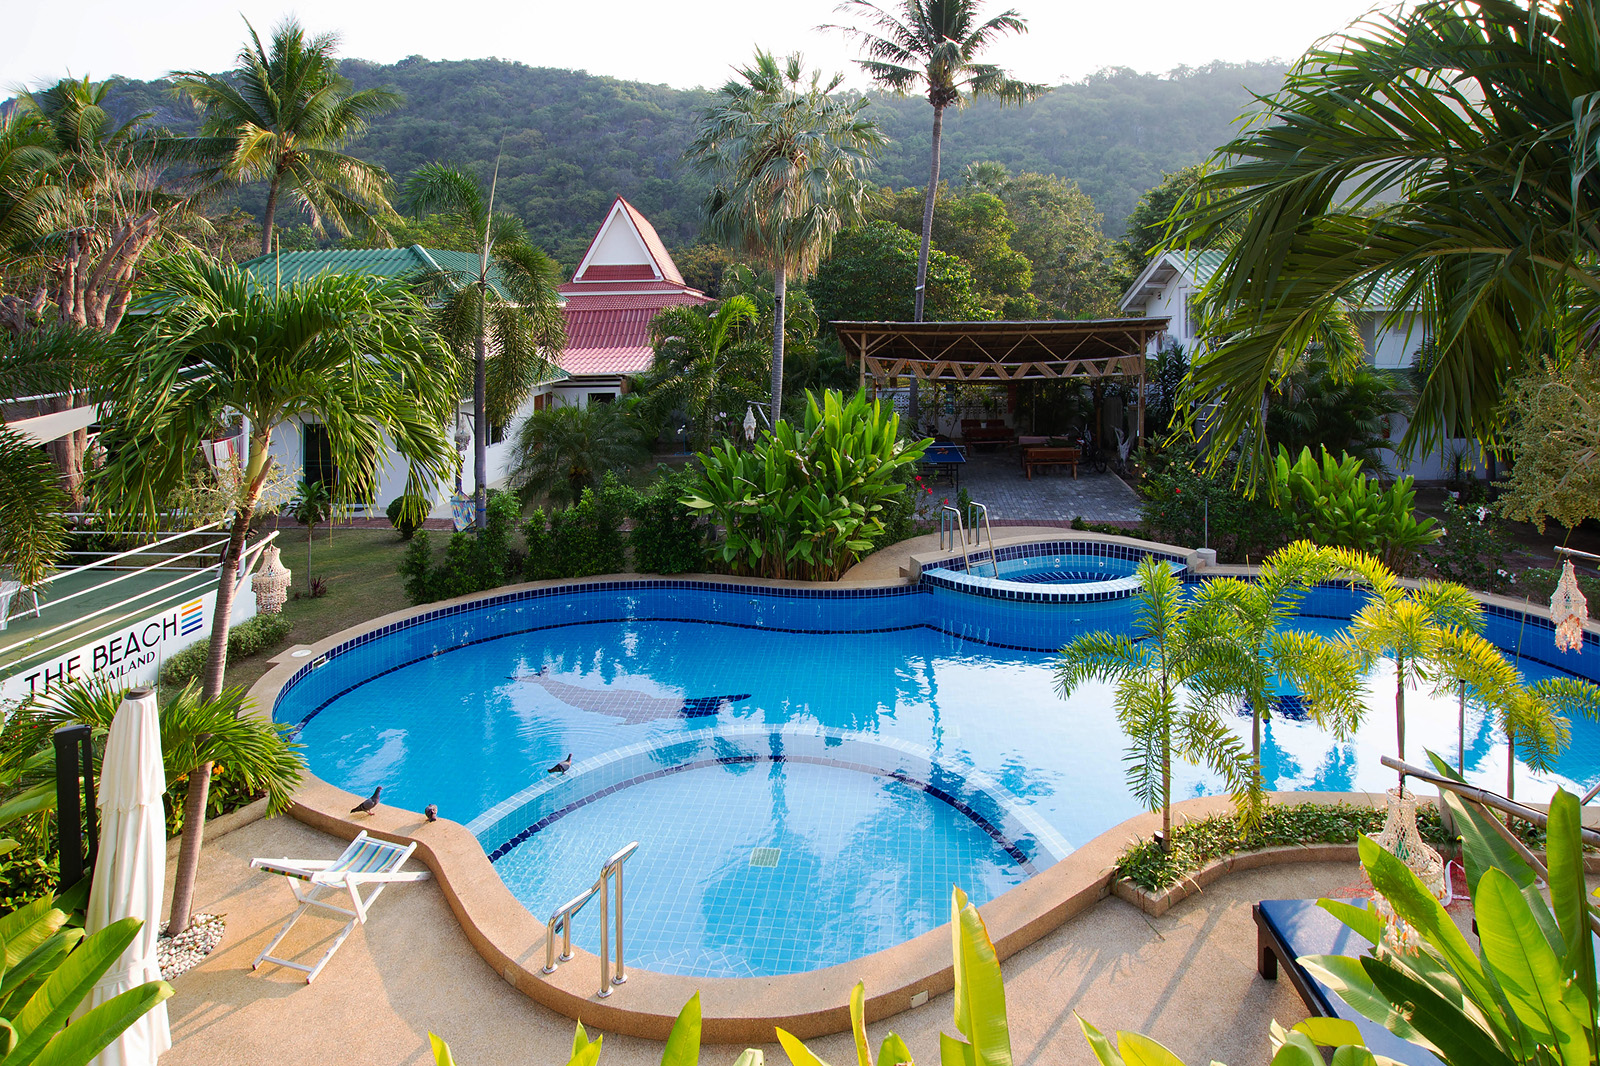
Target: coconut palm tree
(1436,156)
(789,164)
(1172,684)
(281,116)
(933,46)
(348,350)
(1255,617)
(560,451)
(706,361)
(502,298)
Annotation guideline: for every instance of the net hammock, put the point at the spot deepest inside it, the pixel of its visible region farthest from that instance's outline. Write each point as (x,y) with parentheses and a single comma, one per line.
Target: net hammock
(1402,838)
(1569,610)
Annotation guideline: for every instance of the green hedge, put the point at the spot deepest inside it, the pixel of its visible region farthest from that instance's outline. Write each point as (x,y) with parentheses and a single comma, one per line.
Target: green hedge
(245,639)
(1196,843)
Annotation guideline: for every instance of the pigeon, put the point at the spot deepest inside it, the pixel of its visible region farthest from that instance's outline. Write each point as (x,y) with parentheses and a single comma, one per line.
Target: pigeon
(368,805)
(561,767)
(431,812)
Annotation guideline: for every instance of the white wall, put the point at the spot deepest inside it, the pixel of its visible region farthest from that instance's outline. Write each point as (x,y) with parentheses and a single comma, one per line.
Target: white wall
(288,449)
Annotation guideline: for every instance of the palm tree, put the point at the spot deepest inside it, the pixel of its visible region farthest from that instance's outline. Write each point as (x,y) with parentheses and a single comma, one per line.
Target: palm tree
(348,350)
(560,451)
(1421,630)
(1172,684)
(1435,155)
(194,733)
(933,45)
(281,116)
(1254,617)
(79,207)
(706,361)
(789,163)
(504,299)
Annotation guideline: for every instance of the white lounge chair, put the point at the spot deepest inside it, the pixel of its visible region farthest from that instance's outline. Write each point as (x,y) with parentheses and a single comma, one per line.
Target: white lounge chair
(365,863)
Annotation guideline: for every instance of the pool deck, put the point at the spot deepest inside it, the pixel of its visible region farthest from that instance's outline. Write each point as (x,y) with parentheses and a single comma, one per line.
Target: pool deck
(1186,978)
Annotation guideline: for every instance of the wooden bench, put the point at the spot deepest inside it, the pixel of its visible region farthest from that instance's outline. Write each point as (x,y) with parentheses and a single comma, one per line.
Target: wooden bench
(1032,457)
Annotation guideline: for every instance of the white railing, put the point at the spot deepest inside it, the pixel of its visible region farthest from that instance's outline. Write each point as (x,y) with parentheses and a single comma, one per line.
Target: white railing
(147,599)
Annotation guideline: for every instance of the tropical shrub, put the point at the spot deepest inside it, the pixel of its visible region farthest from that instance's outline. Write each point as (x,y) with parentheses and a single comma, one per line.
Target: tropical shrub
(806,502)
(245,639)
(584,539)
(49,969)
(1180,503)
(474,561)
(1471,548)
(667,537)
(404,518)
(560,451)
(1196,843)
(1336,505)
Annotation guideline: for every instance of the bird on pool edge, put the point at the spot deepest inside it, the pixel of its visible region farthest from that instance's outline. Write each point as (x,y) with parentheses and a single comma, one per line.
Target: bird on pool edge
(561,767)
(368,805)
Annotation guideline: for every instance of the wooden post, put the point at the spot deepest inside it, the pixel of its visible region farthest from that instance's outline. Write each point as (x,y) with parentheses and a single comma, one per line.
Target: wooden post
(1143,361)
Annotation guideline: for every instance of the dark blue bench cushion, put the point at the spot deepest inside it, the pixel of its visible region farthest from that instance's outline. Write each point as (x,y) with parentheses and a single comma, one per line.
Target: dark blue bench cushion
(1306,929)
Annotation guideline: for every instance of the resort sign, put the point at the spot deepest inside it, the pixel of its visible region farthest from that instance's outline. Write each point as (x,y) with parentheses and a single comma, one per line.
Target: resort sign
(130,652)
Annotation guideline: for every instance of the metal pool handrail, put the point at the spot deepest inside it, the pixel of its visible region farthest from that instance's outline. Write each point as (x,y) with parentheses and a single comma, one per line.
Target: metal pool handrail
(564,915)
(975,512)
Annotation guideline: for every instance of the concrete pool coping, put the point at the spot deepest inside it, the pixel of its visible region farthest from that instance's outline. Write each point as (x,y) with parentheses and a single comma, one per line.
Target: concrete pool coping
(735,1010)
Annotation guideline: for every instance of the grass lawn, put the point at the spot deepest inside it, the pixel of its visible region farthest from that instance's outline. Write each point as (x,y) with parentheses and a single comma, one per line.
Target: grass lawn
(363,583)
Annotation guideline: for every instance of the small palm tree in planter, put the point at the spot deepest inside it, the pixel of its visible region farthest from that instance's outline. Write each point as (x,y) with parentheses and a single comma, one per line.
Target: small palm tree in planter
(1170,687)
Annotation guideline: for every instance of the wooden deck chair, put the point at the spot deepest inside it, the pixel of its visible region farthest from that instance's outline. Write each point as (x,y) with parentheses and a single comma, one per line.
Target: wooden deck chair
(366,863)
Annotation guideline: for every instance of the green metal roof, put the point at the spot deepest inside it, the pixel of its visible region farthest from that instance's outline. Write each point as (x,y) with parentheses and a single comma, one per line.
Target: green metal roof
(378,262)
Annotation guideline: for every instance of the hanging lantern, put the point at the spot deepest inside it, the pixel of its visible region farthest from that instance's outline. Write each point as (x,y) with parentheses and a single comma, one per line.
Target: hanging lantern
(270,582)
(1401,838)
(1569,610)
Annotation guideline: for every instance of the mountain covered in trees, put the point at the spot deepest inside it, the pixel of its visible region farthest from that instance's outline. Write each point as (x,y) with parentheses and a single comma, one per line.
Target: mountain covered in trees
(568,141)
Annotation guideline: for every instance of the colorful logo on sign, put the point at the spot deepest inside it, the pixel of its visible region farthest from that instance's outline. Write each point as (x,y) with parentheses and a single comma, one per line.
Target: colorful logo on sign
(190,617)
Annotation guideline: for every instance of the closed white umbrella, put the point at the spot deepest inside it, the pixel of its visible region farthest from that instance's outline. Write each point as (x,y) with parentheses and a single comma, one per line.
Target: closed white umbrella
(130,870)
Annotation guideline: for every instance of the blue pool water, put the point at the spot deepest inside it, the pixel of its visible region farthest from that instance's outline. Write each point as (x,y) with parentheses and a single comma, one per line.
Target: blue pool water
(806,774)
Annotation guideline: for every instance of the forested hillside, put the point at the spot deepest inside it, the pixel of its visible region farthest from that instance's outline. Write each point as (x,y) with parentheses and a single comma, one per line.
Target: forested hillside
(570,141)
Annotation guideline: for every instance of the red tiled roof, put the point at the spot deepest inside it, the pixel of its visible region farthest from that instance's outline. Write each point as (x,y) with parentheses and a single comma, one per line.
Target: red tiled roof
(603,362)
(619,272)
(608,301)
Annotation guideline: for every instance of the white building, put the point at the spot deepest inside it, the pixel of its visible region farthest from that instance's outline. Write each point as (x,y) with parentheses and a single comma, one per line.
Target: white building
(625,278)
(1170,284)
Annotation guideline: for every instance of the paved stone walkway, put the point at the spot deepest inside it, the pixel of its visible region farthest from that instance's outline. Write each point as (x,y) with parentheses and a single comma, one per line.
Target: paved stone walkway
(995,479)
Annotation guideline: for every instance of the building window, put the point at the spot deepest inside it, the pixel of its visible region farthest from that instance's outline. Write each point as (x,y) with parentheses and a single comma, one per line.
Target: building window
(602,397)
(318,452)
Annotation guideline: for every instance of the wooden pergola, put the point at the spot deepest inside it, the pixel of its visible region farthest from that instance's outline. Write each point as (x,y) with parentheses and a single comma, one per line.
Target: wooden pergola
(1003,353)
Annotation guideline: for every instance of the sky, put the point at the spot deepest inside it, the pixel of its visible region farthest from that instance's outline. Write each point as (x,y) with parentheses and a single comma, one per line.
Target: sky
(685,44)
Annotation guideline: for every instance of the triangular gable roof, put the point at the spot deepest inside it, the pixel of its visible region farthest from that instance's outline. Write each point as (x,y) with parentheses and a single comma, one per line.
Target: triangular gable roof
(377,262)
(626,247)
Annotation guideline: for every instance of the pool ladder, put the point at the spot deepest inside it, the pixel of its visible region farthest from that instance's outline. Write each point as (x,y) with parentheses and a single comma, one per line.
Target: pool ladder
(962,534)
(563,918)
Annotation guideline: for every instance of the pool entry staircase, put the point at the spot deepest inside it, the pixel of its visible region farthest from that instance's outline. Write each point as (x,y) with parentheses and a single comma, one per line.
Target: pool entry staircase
(975,531)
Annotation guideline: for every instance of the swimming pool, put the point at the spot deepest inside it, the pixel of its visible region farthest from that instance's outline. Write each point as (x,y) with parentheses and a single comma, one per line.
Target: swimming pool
(807,771)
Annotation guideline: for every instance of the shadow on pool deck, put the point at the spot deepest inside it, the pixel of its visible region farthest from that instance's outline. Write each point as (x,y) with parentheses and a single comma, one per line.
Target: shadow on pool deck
(995,479)
(1187,978)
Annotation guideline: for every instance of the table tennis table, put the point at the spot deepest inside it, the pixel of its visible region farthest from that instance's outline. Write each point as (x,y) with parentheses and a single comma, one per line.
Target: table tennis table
(946,460)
